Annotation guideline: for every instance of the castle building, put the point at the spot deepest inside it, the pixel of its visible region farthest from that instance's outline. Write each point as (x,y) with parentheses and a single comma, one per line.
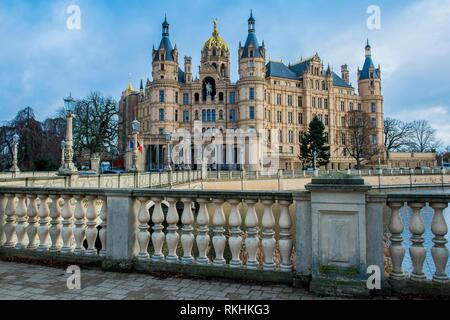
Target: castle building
(270,96)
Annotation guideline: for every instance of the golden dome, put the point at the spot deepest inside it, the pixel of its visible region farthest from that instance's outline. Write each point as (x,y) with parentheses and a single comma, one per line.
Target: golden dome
(216,41)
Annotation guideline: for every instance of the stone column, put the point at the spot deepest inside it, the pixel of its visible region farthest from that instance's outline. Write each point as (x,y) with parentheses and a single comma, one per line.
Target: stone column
(95,163)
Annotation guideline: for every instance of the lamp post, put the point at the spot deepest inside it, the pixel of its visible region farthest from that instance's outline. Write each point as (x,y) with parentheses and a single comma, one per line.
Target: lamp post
(63,150)
(68,168)
(135,127)
(168,137)
(15,167)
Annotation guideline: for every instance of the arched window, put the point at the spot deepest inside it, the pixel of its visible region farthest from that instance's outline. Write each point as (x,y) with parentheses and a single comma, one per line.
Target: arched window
(232,115)
(220,115)
(221,96)
(208,116)
(204,115)
(222,70)
(196,97)
(213,113)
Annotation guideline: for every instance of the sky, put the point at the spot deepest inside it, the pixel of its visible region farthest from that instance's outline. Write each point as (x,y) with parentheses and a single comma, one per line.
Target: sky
(41,60)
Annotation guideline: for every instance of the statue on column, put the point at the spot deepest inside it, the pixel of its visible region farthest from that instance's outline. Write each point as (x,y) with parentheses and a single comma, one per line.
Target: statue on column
(208,90)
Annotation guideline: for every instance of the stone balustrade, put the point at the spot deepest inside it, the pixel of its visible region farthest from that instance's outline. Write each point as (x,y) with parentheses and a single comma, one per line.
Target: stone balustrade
(333,230)
(417,248)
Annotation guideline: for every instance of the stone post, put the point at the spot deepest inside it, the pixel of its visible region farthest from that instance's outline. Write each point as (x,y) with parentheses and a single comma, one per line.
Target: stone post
(345,231)
(95,163)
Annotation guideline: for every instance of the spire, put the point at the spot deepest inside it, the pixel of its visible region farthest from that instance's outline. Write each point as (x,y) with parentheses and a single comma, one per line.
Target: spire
(142,86)
(165,27)
(251,23)
(368,49)
(216,30)
(130,87)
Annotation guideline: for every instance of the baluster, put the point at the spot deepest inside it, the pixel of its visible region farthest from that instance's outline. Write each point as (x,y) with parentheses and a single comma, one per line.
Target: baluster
(285,242)
(417,250)
(143,234)
(158,234)
(32,212)
(235,240)
(268,233)
(55,224)
(252,240)
(43,229)
(187,237)
(396,250)
(103,225)
(219,239)
(439,251)
(10,221)
(203,234)
(172,236)
(2,218)
(79,232)
(91,229)
(67,229)
(21,219)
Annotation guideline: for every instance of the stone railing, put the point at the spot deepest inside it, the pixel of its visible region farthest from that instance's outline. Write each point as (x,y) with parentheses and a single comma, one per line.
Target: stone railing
(417,249)
(126,180)
(324,237)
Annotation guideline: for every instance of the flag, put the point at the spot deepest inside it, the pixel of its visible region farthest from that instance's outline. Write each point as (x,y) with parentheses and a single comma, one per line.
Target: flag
(139,147)
(131,144)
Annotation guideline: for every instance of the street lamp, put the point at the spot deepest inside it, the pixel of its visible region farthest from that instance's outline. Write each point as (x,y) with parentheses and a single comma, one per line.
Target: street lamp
(68,168)
(15,167)
(135,127)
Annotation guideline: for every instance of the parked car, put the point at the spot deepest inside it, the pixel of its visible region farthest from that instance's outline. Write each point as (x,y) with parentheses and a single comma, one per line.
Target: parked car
(87,173)
(113,171)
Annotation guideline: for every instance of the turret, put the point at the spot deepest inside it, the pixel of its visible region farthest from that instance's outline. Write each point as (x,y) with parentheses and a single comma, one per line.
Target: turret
(369,78)
(345,74)
(165,58)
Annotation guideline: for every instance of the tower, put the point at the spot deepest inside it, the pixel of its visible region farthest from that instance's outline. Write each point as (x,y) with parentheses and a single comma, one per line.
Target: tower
(369,87)
(187,69)
(345,75)
(165,58)
(251,84)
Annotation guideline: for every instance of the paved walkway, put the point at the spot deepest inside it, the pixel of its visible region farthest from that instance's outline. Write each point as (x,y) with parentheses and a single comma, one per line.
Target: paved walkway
(23,281)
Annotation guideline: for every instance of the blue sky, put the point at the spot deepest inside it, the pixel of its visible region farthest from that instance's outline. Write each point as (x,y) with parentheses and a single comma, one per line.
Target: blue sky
(41,60)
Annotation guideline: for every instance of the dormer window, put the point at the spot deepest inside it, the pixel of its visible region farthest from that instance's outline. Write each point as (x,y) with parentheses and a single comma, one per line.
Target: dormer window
(162,56)
(252,53)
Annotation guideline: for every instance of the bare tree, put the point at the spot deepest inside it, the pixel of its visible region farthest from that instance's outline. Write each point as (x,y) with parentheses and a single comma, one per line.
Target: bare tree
(95,126)
(357,139)
(422,137)
(396,135)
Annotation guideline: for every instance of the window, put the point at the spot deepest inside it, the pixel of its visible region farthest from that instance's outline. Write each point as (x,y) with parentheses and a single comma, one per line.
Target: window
(252,94)
(232,97)
(161,114)
(280,149)
(289,117)
(280,136)
(186,99)
(325,103)
(290,136)
(162,66)
(251,53)
(300,118)
(290,101)
(232,115)
(327,138)
(161,95)
(186,116)
(208,116)
(196,115)
(342,105)
(252,113)
(279,116)
(373,122)
(342,121)
(314,102)
(351,106)
(220,115)
(374,107)
(213,115)
(291,150)
(278,99)
(327,121)
(221,96)
(176,115)
(196,97)
(374,139)
(176,97)
(359,107)
(343,138)
(204,115)
(300,102)
(300,137)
